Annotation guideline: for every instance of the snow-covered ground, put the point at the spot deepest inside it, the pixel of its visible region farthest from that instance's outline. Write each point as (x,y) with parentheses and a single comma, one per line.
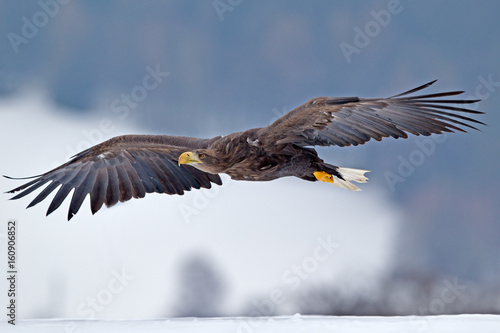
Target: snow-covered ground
(296,324)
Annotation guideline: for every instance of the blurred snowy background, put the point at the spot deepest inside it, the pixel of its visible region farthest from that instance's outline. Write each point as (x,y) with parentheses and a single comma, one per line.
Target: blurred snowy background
(423,237)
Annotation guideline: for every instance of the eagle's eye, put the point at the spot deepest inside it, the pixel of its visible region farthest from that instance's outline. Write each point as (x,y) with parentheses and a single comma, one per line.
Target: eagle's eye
(201,156)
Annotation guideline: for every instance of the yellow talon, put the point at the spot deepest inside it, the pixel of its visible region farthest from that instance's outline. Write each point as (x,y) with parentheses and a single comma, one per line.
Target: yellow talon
(323,176)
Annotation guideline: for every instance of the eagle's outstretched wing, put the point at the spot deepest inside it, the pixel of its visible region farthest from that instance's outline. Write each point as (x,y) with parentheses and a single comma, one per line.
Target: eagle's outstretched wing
(345,121)
(119,169)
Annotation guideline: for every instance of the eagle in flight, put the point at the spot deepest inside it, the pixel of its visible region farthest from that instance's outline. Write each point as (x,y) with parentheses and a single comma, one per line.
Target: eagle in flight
(130,166)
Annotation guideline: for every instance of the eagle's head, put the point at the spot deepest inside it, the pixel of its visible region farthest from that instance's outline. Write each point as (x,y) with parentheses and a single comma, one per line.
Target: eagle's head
(202,159)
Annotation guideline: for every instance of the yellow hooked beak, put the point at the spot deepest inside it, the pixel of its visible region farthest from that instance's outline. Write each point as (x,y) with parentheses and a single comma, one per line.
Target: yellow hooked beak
(188,158)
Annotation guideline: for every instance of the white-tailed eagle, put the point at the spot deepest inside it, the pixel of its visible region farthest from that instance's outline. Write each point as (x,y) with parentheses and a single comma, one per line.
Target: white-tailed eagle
(130,166)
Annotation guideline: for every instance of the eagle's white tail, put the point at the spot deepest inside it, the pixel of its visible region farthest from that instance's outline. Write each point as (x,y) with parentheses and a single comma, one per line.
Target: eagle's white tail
(349,175)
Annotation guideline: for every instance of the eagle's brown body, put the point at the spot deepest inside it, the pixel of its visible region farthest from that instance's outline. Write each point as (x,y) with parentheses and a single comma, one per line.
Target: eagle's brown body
(242,156)
(130,166)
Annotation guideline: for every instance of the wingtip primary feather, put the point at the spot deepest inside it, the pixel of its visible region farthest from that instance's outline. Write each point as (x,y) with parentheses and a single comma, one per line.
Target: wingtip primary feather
(21,178)
(415,89)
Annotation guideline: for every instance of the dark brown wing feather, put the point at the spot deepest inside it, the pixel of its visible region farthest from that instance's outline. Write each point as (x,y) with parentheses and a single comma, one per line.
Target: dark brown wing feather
(119,169)
(345,121)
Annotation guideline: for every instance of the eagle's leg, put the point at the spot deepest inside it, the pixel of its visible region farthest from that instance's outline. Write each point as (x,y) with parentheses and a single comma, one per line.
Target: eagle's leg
(323,176)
